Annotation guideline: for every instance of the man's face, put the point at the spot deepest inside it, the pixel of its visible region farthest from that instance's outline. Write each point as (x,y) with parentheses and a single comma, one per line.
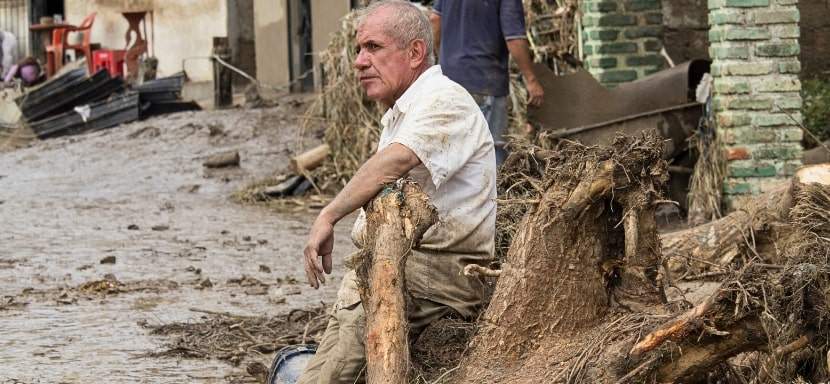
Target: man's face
(385,71)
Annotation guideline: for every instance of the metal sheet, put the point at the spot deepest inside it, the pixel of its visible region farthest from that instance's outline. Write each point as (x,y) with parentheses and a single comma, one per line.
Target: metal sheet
(578,99)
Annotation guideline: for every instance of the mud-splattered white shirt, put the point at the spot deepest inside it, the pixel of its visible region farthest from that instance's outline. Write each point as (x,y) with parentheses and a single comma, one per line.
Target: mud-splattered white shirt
(441,123)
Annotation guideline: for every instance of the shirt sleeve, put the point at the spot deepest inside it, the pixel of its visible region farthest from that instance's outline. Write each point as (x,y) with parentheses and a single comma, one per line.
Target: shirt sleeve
(512,16)
(436,7)
(443,134)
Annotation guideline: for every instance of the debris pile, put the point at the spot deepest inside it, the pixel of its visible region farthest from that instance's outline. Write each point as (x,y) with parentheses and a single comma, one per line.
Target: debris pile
(75,102)
(234,338)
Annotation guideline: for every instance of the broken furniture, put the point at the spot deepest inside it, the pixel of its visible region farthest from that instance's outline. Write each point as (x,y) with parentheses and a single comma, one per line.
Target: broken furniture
(139,46)
(111,60)
(85,29)
(578,108)
(74,102)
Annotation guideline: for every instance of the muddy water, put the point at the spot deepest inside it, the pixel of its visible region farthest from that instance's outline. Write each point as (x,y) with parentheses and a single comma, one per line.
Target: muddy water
(67,203)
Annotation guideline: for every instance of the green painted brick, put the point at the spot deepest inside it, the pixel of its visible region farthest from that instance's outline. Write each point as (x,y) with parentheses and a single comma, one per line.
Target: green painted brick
(602,34)
(616,20)
(713,4)
(731,86)
(793,134)
(652,45)
(789,67)
(785,31)
(746,33)
(776,16)
(790,102)
(778,151)
(588,49)
(642,5)
(617,76)
(641,61)
(777,84)
(644,31)
(741,69)
(781,49)
(603,62)
(600,6)
(654,18)
(747,135)
(746,3)
(732,119)
(726,16)
(787,2)
(742,102)
(616,48)
(768,120)
(750,168)
(729,52)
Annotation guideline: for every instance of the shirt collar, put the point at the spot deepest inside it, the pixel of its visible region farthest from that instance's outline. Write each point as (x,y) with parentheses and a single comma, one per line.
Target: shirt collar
(405,101)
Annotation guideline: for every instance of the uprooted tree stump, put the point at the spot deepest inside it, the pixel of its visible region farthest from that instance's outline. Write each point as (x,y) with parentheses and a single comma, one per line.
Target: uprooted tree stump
(580,297)
(395,222)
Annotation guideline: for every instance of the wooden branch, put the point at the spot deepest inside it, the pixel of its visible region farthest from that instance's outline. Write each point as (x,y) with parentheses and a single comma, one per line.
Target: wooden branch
(311,159)
(680,325)
(395,222)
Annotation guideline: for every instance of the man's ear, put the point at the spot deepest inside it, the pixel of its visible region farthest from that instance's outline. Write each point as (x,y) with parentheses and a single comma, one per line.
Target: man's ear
(417,53)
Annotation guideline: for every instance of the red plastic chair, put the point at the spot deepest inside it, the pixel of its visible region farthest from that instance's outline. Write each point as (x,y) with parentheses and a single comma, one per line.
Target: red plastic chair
(55,52)
(84,47)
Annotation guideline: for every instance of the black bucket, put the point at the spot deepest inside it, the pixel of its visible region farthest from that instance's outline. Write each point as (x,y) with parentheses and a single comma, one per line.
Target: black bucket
(289,363)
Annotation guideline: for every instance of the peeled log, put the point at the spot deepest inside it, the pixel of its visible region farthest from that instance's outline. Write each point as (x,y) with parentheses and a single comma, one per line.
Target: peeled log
(311,159)
(720,241)
(395,222)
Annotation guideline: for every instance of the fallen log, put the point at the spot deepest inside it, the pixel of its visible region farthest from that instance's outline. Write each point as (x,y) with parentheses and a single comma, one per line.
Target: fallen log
(718,243)
(311,159)
(395,222)
(817,155)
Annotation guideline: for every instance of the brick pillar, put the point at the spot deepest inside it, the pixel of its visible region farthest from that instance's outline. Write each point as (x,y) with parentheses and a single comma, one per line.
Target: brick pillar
(622,39)
(754,48)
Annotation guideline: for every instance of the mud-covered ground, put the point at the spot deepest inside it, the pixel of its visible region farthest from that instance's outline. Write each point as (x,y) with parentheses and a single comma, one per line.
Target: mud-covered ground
(103,232)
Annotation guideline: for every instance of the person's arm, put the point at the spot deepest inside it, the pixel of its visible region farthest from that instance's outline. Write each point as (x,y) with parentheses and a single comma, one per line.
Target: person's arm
(386,166)
(520,50)
(435,19)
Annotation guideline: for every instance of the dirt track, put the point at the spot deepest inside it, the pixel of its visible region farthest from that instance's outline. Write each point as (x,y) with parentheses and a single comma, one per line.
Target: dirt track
(66,204)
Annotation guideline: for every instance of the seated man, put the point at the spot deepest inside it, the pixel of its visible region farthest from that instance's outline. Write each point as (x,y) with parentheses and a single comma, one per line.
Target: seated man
(435,133)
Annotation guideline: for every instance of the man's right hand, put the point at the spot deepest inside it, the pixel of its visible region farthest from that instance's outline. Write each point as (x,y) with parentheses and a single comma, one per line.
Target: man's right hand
(535,93)
(319,245)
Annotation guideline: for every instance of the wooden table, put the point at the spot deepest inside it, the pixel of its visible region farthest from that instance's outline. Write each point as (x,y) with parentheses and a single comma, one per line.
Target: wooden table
(45,33)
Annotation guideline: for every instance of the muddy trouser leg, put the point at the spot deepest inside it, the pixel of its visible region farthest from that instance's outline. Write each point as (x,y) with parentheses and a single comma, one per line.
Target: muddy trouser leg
(341,356)
(495,112)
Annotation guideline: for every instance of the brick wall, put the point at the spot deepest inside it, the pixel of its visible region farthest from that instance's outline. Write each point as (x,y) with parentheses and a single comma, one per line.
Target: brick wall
(622,39)
(755,52)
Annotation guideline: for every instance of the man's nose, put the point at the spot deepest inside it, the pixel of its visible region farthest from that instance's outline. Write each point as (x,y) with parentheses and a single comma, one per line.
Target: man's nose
(362,62)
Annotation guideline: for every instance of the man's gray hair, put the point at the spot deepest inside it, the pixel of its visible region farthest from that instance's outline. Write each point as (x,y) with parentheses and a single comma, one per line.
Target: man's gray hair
(408,23)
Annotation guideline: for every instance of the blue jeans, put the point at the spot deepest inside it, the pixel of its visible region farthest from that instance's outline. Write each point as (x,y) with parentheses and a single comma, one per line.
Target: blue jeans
(494,109)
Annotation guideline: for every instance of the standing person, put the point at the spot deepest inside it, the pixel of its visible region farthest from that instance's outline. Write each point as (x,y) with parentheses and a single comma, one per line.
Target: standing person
(8,52)
(474,39)
(434,132)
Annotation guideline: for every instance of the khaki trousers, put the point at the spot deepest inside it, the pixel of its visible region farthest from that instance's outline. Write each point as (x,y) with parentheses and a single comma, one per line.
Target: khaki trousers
(341,356)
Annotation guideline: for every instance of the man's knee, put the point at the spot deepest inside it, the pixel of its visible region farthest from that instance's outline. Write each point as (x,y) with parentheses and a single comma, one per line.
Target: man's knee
(341,355)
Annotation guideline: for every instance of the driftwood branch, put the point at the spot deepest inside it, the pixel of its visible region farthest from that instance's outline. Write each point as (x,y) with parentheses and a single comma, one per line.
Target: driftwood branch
(395,222)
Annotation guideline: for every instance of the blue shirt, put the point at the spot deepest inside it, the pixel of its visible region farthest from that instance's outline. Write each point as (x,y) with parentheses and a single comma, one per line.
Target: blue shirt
(473,42)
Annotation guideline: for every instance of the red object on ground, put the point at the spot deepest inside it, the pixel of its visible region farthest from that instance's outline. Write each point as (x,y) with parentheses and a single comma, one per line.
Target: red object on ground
(110,59)
(55,52)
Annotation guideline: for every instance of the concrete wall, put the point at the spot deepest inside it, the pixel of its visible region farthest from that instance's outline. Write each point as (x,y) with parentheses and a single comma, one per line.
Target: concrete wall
(271,31)
(326,15)
(183,29)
